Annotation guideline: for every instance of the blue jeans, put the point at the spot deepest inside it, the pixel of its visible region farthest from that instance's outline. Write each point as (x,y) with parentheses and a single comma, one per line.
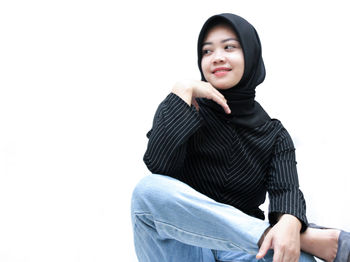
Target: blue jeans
(174,222)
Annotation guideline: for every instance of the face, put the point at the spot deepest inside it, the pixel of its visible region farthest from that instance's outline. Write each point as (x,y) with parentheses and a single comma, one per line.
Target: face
(223,59)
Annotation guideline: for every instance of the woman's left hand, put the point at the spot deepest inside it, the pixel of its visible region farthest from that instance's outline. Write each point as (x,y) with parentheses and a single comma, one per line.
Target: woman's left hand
(284,239)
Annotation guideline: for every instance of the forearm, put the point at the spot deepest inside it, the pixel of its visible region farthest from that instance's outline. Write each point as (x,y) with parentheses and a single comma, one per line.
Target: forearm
(291,220)
(283,183)
(173,124)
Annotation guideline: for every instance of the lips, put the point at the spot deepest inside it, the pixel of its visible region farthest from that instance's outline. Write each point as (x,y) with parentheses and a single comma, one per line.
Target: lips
(221,71)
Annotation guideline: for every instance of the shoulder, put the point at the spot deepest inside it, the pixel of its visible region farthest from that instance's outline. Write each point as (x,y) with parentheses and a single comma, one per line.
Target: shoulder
(283,138)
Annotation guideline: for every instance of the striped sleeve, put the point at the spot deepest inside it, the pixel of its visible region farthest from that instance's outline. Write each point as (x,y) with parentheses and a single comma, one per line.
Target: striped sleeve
(283,185)
(174,122)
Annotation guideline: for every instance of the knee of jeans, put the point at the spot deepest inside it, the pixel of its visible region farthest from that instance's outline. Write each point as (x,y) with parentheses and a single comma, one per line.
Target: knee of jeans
(150,190)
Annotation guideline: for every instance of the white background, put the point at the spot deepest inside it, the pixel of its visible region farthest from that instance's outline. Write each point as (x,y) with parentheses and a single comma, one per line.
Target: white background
(81,80)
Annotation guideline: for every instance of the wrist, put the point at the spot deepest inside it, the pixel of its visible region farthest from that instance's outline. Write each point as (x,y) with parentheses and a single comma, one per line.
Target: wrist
(291,220)
(183,91)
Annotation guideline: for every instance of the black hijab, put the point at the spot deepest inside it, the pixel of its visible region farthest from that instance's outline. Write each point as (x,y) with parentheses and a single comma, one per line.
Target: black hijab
(245,111)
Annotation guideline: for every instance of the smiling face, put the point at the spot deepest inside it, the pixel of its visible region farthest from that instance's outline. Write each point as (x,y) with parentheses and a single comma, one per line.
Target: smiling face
(222,57)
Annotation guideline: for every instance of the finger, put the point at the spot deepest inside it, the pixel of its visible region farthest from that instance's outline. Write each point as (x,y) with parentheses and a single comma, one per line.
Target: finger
(214,90)
(278,255)
(222,102)
(218,93)
(291,255)
(215,95)
(194,102)
(226,108)
(265,246)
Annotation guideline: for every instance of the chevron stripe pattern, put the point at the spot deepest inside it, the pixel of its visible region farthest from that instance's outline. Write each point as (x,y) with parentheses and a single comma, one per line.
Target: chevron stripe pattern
(230,164)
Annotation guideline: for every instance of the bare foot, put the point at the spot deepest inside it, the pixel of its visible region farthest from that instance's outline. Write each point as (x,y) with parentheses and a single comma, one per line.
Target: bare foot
(322,243)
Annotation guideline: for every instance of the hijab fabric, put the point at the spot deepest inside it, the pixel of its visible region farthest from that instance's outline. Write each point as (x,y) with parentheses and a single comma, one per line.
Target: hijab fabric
(245,111)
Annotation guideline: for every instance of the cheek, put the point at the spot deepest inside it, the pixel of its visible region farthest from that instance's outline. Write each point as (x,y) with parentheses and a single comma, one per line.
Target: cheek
(205,66)
(237,61)
(241,66)
(241,62)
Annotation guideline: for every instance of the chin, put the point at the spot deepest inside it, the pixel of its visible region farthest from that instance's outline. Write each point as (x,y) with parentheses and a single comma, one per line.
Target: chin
(222,86)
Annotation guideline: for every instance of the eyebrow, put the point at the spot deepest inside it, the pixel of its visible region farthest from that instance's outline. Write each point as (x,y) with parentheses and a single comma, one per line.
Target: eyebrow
(223,41)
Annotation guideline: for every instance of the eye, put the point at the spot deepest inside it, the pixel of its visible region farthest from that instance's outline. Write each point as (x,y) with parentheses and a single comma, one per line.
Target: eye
(206,52)
(230,47)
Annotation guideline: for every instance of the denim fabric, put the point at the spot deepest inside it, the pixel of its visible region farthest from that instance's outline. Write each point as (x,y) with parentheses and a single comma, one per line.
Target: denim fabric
(174,222)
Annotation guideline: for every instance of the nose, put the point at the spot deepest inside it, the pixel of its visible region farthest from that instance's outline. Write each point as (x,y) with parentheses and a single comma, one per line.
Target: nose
(218,57)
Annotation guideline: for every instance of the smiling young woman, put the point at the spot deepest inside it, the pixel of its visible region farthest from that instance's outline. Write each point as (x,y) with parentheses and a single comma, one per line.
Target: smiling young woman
(214,153)
(223,59)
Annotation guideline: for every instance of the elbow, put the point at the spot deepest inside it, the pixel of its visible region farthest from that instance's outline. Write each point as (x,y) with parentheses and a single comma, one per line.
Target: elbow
(153,165)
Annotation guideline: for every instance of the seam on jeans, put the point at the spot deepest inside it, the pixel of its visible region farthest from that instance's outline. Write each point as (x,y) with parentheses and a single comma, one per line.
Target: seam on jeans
(135,214)
(189,232)
(196,234)
(142,213)
(236,260)
(239,260)
(180,229)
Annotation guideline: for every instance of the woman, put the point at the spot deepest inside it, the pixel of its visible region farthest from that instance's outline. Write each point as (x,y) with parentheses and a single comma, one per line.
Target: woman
(215,153)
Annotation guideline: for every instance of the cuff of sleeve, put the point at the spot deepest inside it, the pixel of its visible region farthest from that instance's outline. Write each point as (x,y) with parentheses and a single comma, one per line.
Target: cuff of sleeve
(174,98)
(177,109)
(176,120)
(287,201)
(275,216)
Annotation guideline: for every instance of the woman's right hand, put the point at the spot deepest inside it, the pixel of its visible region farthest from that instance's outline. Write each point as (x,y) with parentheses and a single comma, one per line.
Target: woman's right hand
(189,90)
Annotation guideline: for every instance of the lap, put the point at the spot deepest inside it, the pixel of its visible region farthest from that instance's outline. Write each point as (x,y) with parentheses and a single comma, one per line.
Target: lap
(175,203)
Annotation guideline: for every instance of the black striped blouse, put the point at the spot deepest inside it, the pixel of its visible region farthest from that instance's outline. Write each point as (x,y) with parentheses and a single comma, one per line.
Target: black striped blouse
(230,164)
